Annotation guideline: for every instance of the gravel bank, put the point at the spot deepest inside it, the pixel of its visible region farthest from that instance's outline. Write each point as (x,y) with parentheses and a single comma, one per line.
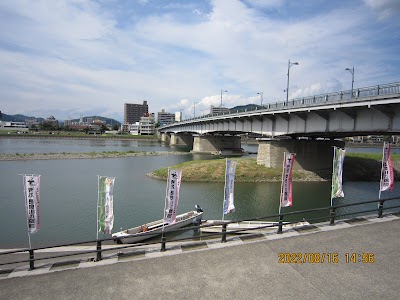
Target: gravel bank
(47,156)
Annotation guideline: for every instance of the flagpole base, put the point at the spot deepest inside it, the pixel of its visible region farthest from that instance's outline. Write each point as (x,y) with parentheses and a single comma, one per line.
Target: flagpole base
(280,225)
(380,208)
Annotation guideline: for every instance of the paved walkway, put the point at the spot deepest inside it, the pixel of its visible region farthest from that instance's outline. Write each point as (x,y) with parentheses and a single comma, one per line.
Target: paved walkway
(242,268)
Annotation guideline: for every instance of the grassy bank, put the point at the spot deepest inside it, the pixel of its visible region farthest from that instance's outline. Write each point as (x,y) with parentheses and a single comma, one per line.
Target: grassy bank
(357,167)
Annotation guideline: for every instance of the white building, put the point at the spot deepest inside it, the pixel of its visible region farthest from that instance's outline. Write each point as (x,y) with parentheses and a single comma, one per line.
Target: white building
(164,118)
(218,110)
(178,116)
(134,128)
(14,126)
(147,125)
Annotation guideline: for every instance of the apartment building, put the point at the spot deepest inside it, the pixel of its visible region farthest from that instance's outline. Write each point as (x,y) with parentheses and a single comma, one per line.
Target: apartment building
(133,112)
(164,118)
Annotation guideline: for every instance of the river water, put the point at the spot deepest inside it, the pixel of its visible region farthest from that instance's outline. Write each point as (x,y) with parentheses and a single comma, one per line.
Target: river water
(69,191)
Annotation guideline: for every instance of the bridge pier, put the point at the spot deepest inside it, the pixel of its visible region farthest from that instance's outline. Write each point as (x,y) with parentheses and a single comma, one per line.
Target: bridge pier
(210,143)
(165,137)
(311,155)
(181,139)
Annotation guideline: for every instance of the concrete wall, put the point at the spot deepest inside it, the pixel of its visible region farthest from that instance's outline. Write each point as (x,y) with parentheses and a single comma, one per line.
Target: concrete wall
(310,155)
(211,143)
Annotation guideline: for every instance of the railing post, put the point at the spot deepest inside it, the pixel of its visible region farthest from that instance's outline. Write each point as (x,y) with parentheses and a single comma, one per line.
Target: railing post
(378,90)
(380,208)
(280,224)
(163,239)
(332,213)
(98,249)
(223,239)
(31,260)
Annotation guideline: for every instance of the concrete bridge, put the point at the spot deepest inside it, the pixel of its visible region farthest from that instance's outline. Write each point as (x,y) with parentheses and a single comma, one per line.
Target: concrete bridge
(308,126)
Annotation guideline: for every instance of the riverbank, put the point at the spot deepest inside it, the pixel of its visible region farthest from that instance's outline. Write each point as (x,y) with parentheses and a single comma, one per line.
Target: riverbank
(357,166)
(78,136)
(87,155)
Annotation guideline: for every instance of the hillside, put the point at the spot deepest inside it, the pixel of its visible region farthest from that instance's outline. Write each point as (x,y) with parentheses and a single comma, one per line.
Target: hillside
(18,118)
(22,118)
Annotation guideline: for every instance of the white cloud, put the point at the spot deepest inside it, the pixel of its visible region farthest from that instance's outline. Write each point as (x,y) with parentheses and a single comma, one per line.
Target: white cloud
(266,4)
(384,8)
(92,56)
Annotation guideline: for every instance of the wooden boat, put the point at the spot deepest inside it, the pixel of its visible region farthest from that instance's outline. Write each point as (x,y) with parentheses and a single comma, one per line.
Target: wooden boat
(152,229)
(213,226)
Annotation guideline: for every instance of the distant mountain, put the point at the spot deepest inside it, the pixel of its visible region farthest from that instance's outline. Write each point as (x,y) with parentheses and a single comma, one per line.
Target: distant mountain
(104,119)
(244,107)
(22,118)
(17,118)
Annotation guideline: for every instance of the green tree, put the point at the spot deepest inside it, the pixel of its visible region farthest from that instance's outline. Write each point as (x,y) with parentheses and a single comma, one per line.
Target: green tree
(103,128)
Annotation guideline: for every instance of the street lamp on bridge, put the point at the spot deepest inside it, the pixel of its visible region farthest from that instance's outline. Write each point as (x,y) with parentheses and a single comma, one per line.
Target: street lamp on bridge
(222,91)
(261,94)
(287,87)
(352,79)
(194,109)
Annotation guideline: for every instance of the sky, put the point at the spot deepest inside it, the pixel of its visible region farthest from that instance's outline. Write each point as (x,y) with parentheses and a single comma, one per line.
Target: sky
(72,58)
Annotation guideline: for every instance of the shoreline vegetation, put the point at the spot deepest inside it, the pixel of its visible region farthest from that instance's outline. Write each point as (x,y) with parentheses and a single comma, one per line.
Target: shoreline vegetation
(77,136)
(357,166)
(84,155)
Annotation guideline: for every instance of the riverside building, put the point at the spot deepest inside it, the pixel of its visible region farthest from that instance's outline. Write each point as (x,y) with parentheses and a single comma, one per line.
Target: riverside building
(133,112)
(164,118)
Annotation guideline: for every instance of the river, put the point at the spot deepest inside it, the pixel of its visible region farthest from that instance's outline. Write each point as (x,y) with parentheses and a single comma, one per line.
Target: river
(69,191)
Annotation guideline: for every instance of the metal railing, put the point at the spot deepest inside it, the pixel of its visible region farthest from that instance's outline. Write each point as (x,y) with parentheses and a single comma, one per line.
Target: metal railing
(341,96)
(98,250)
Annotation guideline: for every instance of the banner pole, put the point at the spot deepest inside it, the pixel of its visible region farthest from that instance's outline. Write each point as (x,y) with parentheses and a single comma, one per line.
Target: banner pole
(281,195)
(283,172)
(380,182)
(223,202)
(29,239)
(26,210)
(97,208)
(333,172)
(166,198)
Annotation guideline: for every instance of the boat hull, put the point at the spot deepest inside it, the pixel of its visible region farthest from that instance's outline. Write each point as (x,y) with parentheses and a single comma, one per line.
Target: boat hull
(137,234)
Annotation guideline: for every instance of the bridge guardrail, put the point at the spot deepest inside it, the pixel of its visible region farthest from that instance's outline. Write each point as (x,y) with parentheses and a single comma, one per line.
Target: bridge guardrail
(98,249)
(342,96)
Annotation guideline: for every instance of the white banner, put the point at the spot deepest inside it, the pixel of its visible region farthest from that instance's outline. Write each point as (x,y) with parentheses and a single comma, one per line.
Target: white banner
(32,202)
(106,204)
(337,174)
(286,191)
(229,206)
(172,195)
(387,175)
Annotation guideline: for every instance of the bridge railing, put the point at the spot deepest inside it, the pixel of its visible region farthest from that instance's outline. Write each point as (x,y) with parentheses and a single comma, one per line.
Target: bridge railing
(99,247)
(341,96)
